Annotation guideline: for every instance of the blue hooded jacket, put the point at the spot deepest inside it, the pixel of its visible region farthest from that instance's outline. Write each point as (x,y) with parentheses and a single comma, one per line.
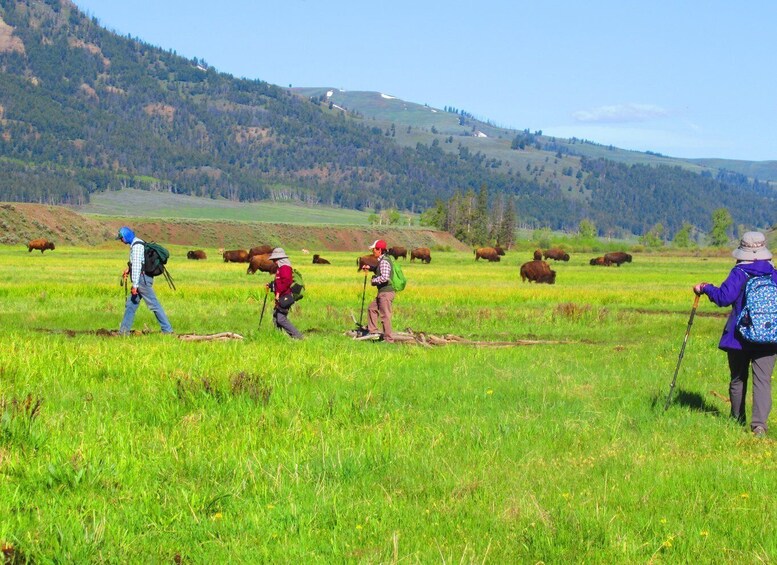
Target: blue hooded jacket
(731,292)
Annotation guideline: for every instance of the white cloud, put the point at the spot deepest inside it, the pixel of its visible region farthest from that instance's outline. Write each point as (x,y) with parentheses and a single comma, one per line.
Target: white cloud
(621,113)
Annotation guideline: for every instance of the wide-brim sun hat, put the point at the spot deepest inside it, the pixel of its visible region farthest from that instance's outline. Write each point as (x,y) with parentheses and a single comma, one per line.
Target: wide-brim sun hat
(752,247)
(378,244)
(278,253)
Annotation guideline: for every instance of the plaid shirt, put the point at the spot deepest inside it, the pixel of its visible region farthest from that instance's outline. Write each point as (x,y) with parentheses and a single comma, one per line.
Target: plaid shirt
(137,259)
(383,269)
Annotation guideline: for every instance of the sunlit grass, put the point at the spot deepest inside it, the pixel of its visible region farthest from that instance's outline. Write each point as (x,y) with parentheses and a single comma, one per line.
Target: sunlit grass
(327,450)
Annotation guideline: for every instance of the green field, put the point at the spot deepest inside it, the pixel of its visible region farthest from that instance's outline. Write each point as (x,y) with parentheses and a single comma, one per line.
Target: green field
(143,203)
(152,449)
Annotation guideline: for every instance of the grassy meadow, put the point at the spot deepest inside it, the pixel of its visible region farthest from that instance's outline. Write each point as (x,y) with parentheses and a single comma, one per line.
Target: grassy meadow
(167,205)
(152,449)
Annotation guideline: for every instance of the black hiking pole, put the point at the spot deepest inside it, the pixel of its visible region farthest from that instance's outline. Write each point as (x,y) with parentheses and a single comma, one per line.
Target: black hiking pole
(361,314)
(682,351)
(264,303)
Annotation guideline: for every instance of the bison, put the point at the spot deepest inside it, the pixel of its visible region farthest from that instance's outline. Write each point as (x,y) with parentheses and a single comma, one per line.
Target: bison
(261,263)
(538,254)
(396,252)
(196,255)
(259,250)
(236,256)
(601,262)
(556,255)
(422,253)
(538,271)
(618,257)
(366,260)
(499,250)
(318,260)
(488,253)
(42,244)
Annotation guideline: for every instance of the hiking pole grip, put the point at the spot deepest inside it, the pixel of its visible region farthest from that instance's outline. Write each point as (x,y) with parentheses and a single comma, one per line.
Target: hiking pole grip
(682,351)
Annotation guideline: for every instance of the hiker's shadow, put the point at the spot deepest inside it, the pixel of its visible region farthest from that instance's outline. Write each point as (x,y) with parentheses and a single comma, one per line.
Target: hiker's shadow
(691,400)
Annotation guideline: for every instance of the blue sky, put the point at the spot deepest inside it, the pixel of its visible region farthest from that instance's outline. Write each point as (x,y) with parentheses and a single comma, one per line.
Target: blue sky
(687,79)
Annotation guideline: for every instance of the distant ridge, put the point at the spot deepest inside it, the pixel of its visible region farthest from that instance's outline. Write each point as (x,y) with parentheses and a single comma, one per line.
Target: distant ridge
(84,111)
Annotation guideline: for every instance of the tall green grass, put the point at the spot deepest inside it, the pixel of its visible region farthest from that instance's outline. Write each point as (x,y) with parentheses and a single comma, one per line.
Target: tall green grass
(133,202)
(147,448)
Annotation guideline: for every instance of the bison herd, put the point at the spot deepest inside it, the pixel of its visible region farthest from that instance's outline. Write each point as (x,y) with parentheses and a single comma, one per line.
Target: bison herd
(258,258)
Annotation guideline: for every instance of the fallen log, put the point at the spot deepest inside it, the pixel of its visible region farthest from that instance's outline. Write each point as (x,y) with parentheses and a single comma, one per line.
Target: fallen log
(223,336)
(429,340)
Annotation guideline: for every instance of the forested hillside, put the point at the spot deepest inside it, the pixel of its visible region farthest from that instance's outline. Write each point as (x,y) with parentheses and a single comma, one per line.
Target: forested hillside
(83,110)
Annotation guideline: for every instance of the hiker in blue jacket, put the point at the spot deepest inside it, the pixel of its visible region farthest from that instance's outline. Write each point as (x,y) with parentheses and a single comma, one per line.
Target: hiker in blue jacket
(142,286)
(753,260)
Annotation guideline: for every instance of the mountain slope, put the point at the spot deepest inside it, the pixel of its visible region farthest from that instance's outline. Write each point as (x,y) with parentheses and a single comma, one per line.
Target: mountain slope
(83,110)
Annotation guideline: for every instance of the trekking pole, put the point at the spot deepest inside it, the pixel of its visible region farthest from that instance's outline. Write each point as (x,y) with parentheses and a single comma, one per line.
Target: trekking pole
(364,291)
(264,303)
(123,282)
(169,279)
(682,351)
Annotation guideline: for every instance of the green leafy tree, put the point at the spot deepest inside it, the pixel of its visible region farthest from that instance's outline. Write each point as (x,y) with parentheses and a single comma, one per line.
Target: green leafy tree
(394,217)
(682,238)
(587,229)
(654,237)
(721,223)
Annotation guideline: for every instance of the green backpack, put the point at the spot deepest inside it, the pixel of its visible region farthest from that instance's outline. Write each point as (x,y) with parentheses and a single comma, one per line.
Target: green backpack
(297,285)
(398,279)
(154,258)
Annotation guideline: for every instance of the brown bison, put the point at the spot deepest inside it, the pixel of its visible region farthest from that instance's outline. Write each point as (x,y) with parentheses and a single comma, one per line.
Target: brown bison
(396,252)
(236,256)
(488,253)
(261,263)
(556,255)
(538,254)
(538,271)
(601,262)
(366,260)
(42,244)
(499,250)
(618,257)
(421,253)
(259,250)
(318,260)
(196,255)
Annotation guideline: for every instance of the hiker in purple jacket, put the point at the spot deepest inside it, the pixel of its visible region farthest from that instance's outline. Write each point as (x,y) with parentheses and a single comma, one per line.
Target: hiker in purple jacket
(753,260)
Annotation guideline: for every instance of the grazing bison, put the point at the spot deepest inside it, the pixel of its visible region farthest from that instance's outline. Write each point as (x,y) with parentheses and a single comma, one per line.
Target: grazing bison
(318,260)
(236,256)
(618,257)
(396,252)
(366,260)
(422,253)
(538,254)
(538,271)
(259,250)
(261,263)
(42,244)
(499,250)
(488,253)
(196,255)
(556,255)
(601,262)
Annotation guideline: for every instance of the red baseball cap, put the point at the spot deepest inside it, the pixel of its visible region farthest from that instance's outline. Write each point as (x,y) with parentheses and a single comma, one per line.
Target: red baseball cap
(379,244)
